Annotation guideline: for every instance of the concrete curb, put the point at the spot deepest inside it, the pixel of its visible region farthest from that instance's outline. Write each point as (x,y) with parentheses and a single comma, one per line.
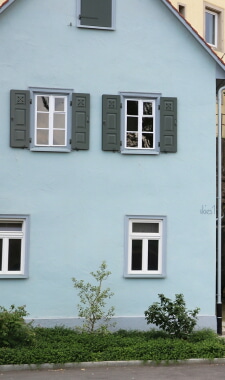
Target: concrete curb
(49,366)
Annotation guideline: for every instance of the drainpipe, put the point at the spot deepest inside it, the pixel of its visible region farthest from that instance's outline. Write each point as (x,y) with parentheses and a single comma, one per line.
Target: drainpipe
(219,208)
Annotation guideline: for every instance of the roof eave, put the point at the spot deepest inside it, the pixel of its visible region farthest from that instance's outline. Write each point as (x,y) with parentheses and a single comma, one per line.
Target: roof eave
(5,5)
(195,34)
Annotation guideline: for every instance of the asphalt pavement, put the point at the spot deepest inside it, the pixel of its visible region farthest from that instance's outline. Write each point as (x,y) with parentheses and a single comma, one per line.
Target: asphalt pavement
(122,372)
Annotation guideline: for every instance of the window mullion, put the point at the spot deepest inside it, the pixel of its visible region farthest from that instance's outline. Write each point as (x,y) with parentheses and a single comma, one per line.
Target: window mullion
(140,108)
(5,254)
(145,255)
(51,118)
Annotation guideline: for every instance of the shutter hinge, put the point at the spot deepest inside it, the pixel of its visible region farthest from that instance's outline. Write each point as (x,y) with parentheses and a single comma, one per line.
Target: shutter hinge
(159,143)
(121,143)
(71,103)
(70,141)
(121,106)
(30,140)
(30,101)
(159,107)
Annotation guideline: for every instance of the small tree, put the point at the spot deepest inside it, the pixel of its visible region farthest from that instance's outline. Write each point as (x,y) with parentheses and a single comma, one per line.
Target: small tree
(93,301)
(172,317)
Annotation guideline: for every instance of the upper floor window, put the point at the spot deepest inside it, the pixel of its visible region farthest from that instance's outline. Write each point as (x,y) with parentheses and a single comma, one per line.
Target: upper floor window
(54,120)
(139,123)
(14,242)
(50,120)
(99,14)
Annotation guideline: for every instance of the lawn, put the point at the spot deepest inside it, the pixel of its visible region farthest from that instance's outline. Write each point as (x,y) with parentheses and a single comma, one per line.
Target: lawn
(62,345)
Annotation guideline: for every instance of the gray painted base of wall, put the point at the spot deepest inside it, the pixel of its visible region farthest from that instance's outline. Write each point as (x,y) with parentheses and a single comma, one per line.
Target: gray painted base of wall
(125,323)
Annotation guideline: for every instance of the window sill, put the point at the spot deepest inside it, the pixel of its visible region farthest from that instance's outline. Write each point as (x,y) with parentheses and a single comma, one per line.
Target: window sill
(138,275)
(140,151)
(13,276)
(50,149)
(96,27)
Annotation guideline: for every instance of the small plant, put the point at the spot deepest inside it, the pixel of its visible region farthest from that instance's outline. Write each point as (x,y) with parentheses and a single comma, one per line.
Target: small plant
(93,301)
(172,317)
(14,330)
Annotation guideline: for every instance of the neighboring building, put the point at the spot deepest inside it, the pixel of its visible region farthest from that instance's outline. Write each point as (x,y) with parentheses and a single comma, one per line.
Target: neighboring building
(109,153)
(207,17)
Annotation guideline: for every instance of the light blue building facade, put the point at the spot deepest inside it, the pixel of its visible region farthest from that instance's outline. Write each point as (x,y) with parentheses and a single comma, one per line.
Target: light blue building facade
(108,152)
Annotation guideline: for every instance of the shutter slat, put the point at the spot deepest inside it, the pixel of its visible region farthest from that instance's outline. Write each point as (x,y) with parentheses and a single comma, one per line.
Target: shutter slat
(168,125)
(80,121)
(19,118)
(111,122)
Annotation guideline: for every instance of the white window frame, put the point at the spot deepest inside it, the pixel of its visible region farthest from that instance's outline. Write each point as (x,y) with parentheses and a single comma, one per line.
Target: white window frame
(160,236)
(52,93)
(141,97)
(97,27)
(216,18)
(6,236)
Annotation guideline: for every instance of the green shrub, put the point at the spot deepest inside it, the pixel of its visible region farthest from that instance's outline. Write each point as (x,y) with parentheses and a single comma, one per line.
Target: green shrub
(63,345)
(14,330)
(93,301)
(202,335)
(172,316)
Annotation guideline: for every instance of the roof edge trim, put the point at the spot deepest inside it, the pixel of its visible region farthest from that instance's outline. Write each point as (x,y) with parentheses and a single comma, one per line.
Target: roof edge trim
(5,4)
(195,34)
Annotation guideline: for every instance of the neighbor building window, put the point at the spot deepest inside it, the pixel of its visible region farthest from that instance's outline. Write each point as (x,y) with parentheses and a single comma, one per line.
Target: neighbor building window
(181,9)
(14,242)
(211,27)
(145,246)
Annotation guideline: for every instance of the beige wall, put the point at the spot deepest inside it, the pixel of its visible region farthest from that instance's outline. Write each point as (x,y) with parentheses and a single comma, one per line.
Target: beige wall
(194,13)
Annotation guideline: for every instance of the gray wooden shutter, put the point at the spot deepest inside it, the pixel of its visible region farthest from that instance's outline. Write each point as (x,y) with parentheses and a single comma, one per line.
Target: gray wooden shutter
(80,121)
(96,13)
(111,122)
(19,118)
(168,125)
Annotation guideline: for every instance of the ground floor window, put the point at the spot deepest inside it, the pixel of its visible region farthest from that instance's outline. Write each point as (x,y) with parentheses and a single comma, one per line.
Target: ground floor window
(145,246)
(13,246)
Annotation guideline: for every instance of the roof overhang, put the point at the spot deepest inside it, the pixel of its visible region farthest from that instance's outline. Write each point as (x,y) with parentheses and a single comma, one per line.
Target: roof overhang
(195,34)
(5,4)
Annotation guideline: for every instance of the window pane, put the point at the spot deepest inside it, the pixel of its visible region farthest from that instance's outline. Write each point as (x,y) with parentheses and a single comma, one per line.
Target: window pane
(147,108)
(147,124)
(153,254)
(59,120)
(136,258)
(59,104)
(58,137)
(145,227)
(7,226)
(147,140)
(42,137)
(14,259)
(43,103)
(1,243)
(132,107)
(210,24)
(132,124)
(132,140)
(42,120)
